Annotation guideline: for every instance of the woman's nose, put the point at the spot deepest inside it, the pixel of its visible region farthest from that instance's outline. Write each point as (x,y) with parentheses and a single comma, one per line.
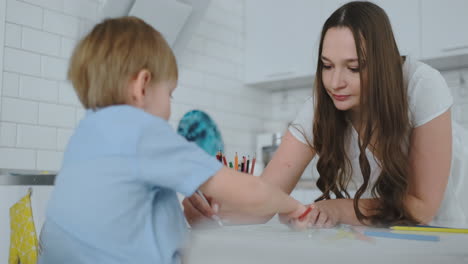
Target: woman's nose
(337,80)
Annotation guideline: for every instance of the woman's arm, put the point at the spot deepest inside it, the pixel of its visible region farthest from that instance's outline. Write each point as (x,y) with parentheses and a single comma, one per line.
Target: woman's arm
(430,156)
(288,163)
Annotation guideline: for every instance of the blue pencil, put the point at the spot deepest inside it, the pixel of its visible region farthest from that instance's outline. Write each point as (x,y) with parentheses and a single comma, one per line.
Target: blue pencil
(402,236)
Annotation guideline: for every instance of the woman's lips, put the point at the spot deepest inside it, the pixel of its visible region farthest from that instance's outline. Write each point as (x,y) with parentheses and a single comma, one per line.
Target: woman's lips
(340,97)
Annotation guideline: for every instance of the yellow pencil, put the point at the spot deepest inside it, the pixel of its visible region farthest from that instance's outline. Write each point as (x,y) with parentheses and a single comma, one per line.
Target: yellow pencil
(431,229)
(236,162)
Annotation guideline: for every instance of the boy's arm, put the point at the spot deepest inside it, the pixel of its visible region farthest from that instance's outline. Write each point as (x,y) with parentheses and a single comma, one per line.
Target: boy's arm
(246,198)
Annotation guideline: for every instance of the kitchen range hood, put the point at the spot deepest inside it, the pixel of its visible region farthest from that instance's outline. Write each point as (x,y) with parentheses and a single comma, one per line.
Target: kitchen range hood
(175,19)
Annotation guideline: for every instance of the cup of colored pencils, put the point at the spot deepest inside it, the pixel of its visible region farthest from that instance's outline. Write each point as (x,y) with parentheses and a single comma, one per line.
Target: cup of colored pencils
(246,165)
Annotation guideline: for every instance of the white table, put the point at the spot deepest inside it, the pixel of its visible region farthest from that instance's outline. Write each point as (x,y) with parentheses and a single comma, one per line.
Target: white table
(275,243)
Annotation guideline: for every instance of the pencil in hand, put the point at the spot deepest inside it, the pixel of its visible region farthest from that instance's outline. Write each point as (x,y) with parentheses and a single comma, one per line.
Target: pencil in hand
(214,217)
(303,215)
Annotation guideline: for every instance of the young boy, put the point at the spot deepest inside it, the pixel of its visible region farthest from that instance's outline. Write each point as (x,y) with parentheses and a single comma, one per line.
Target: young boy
(115,196)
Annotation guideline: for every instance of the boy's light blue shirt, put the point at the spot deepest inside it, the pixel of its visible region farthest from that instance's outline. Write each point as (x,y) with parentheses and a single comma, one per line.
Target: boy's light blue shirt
(115,199)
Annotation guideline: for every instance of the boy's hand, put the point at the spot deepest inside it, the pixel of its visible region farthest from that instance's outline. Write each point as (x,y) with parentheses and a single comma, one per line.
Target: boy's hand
(197,211)
(297,219)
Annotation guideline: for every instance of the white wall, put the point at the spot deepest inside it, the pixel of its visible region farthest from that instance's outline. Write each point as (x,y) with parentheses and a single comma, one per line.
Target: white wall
(39,108)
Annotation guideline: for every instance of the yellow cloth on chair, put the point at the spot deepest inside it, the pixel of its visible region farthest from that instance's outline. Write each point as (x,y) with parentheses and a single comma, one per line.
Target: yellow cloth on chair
(23,239)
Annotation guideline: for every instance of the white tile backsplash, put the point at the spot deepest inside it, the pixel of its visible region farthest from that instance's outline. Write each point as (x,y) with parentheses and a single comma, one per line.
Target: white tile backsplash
(82,8)
(10,84)
(49,160)
(67,95)
(58,23)
(54,68)
(38,89)
(57,115)
(49,4)
(41,42)
(79,114)
(190,77)
(12,35)
(63,135)
(7,134)
(36,137)
(18,110)
(67,47)
(21,61)
(24,14)
(194,96)
(16,158)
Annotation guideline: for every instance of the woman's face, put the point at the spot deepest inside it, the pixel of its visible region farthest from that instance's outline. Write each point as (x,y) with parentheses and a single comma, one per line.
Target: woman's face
(340,73)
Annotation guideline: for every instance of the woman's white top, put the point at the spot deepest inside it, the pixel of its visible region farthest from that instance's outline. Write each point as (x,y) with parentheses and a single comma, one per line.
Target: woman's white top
(429,97)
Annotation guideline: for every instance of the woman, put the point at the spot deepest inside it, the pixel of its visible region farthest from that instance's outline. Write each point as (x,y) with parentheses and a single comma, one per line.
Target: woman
(379,123)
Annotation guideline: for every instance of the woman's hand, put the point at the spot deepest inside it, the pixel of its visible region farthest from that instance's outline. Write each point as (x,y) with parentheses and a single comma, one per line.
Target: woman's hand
(325,214)
(197,211)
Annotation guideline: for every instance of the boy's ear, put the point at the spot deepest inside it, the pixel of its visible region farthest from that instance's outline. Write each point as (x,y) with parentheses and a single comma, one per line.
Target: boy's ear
(138,86)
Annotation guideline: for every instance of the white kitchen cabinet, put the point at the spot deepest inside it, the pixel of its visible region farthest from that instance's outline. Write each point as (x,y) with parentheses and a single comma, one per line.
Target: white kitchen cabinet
(282,37)
(281,41)
(404,16)
(444,28)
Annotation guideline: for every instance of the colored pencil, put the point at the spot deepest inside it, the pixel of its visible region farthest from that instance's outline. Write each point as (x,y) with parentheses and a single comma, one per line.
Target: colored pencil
(431,229)
(402,236)
(301,217)
(253,164)
(236,162)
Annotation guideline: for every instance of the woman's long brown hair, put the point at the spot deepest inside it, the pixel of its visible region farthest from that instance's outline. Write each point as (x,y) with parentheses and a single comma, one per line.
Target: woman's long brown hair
(384,118)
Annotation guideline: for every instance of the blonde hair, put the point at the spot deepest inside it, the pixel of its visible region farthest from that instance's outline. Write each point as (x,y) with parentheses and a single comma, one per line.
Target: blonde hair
(112,54)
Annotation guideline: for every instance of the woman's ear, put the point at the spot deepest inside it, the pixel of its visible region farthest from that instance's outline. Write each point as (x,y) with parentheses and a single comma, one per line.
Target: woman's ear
(138,86)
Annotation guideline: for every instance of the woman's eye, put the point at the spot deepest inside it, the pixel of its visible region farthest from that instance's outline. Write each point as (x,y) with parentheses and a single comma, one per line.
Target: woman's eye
(327,67)
(354,69)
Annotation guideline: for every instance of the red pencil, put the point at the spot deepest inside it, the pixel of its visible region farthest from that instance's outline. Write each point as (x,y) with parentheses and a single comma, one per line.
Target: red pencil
(224,160)
(253,164)
(301,217)
(245,164)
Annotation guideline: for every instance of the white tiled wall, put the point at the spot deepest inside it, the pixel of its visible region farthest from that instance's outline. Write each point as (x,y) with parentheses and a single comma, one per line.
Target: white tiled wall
(39,109)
